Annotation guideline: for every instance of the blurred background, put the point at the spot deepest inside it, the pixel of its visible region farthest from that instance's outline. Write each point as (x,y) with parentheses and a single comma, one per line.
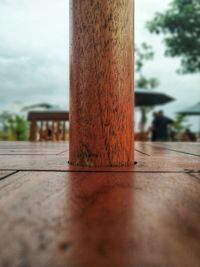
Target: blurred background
(34,67)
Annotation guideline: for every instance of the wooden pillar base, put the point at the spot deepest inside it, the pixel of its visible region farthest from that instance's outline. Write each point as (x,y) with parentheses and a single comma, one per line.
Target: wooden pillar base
(101,93)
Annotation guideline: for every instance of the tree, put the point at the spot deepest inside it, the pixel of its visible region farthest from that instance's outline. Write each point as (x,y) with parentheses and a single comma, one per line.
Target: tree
(18,127)
(4,116)
(180,24)
(143,54)
(180,125)
(13,127)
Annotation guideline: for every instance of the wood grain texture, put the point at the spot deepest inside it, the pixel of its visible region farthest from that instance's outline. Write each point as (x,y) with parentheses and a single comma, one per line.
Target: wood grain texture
(158,163)
(185,148)
(30,148)
(4,174)
(99,219)
(101,94)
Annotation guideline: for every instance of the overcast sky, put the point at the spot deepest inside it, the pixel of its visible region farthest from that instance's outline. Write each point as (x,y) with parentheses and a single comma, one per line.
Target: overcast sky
(34,55)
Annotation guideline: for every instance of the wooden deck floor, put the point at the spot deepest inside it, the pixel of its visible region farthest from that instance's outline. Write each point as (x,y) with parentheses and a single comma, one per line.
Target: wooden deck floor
(53,215)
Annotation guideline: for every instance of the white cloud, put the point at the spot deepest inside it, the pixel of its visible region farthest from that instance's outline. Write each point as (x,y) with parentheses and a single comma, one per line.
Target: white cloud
(34,53)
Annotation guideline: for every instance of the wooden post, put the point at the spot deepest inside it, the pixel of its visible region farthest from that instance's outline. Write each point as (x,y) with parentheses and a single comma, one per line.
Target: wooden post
(33,130)
(101,81)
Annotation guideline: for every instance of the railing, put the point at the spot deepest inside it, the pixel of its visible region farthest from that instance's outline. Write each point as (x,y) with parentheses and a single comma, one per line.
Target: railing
(48,126)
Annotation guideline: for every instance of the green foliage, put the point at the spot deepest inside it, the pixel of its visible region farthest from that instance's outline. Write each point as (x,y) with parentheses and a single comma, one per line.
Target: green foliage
(142,55)
(13,127)
(146,83)
(179,125)
(18,127)
(4,116)
(180,24)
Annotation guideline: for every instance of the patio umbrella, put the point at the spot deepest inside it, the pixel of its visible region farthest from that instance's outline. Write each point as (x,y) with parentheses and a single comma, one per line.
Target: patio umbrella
(146,99)
(150,98)
(44,106)
(192,111)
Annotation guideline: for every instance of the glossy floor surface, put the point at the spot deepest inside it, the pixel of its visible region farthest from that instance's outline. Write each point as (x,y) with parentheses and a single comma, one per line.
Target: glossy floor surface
(53,215)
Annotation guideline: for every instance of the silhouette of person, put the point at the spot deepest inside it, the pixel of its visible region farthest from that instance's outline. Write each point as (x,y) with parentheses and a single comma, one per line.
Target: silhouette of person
(161,124)
(153,127)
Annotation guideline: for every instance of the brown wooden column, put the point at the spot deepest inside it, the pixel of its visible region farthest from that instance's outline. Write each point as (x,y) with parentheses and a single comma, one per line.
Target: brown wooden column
(101,94)
(33,130)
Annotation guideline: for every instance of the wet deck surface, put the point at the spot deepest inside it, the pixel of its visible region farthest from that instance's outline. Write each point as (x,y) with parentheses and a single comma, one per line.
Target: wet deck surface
(55,215)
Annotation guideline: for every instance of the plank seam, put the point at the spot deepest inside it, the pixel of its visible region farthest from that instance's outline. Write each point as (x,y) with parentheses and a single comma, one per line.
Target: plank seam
(60,153)
(8,175)
(194,177)
(142,153)
(98,171)
(178,151)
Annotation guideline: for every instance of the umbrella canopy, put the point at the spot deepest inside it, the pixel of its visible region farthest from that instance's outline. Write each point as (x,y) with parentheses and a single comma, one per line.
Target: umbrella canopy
(150,98)
(191,111)
(44,106)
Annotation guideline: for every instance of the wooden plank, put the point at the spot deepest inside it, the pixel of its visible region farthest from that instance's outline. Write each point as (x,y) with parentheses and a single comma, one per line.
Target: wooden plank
(168,149)
(95,219)
(24,144)
(185,148)
(15,152)
(149,149)
(30,148)
(59,163)
(145,148)
(4,174)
